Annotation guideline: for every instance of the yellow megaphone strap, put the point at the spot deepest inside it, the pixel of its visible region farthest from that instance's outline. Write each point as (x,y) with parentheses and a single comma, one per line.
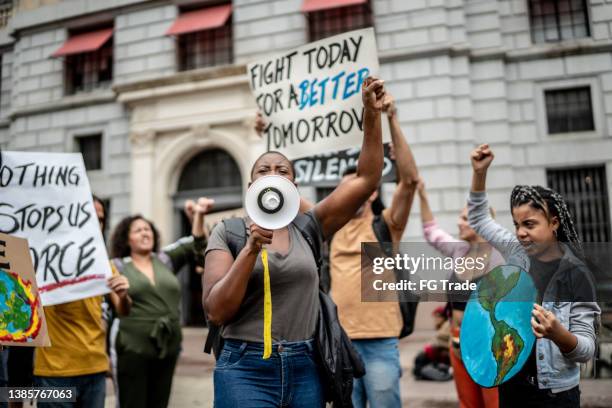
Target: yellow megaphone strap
(267,329)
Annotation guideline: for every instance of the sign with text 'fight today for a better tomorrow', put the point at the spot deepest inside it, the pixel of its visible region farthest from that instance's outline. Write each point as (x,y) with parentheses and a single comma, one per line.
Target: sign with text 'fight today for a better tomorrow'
(46,198)
(310,97)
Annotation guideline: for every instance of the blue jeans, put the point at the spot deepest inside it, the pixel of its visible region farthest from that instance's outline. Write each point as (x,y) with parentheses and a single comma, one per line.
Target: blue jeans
(380,387)
(289,378)
(90,390)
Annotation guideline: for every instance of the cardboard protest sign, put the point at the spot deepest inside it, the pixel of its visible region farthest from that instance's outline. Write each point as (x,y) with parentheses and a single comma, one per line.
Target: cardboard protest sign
(22,318)
(46,198)
(327,168)
(311,96)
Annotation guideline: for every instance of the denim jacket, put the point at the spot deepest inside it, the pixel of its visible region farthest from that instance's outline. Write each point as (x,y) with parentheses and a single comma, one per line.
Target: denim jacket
(556,370)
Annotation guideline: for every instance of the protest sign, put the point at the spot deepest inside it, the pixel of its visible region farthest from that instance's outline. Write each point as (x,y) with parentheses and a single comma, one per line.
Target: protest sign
(22,319)
(310,97)
(327,168)
(46,198)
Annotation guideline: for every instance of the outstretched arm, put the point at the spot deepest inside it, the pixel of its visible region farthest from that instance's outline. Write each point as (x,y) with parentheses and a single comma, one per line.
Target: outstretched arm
(190,249)
(340,206)
(407,172)
(426,214)
(479,216)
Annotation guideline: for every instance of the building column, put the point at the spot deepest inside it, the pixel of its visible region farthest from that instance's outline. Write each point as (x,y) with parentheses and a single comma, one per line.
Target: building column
(142,172)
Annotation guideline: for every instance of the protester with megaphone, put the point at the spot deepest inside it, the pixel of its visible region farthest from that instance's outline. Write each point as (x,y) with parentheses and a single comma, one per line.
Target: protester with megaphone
(250,371)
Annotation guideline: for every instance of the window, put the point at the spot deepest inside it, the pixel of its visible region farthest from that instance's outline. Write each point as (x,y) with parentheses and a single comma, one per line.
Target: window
(569,110)
(211,169)
(88,71)
(323,23)
(204,37)
(586,193)
(88,60)
(557,20)
(205,48)
(6,12)
(91,148)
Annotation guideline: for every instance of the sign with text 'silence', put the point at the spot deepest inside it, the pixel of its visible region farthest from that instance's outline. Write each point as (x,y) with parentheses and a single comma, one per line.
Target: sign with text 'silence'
(46,198)
(310,97)
(328,168)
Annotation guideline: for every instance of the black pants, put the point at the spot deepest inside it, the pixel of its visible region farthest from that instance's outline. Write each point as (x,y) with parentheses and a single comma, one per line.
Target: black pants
(525,395)
(20,366)
(144,382)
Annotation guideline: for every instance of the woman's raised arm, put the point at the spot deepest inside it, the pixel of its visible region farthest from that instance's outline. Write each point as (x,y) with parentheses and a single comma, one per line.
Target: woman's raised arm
(341,205)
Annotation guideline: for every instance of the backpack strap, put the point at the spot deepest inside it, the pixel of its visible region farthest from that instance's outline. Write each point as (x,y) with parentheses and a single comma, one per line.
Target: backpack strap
(308,226)
(235,234)
(235,237)
(382,233)
(407,307)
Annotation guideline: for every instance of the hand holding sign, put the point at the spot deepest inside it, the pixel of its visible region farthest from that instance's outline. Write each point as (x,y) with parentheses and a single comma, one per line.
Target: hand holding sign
(373,94)
(260,124)
(119,284)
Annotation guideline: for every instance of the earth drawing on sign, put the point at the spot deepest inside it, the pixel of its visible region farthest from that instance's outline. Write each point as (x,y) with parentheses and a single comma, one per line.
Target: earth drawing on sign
(496,337)
(19,312)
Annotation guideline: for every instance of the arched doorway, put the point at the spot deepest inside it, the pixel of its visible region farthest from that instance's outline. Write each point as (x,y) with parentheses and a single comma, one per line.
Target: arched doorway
(212,173)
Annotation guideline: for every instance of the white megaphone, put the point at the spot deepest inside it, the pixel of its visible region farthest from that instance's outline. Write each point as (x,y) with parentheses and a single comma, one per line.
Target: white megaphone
(272,202)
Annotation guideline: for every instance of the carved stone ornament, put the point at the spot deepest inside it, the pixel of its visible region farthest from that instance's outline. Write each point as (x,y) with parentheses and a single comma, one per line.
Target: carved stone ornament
(143,138)
(200,130)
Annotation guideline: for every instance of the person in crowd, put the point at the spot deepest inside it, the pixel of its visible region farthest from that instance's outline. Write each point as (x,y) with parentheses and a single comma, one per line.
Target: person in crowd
(432,363)
(545,244)
(148,340)
(77,356)
(469,245)
(374,327)
(234,290)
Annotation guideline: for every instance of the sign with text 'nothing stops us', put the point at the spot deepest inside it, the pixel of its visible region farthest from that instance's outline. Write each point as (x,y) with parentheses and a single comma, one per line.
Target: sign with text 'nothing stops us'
(310,97)
(46,198)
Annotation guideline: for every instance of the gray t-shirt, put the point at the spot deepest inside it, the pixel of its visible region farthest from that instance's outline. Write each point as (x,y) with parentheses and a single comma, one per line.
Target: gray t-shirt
(294,282)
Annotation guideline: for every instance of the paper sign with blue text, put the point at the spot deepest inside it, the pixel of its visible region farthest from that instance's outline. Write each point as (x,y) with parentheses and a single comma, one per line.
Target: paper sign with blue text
(310,96)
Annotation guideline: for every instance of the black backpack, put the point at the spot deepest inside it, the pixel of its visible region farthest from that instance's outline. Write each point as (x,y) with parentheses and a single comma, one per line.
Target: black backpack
(339,362)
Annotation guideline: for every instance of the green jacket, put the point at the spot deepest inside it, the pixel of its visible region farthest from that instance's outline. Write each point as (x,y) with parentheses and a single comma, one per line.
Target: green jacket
(153,326)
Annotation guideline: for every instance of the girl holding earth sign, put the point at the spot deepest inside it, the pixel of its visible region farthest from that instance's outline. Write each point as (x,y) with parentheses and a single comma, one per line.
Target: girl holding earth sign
(546,245)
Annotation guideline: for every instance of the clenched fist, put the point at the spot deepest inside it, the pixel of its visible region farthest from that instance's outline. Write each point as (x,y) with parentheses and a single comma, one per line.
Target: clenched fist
(481,158)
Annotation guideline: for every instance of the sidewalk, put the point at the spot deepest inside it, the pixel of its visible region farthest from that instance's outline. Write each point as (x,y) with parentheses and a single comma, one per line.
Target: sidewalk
(193,385)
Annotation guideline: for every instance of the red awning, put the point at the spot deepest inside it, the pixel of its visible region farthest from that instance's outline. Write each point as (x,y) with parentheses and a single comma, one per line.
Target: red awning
(199,20)
(87,42)
(316,5)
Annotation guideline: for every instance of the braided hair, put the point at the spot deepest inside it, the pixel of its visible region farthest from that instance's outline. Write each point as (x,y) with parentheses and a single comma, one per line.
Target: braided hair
(553,205)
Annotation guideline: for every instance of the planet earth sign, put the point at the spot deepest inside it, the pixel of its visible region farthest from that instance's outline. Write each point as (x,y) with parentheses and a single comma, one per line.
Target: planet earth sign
(496,337)
(19,319)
